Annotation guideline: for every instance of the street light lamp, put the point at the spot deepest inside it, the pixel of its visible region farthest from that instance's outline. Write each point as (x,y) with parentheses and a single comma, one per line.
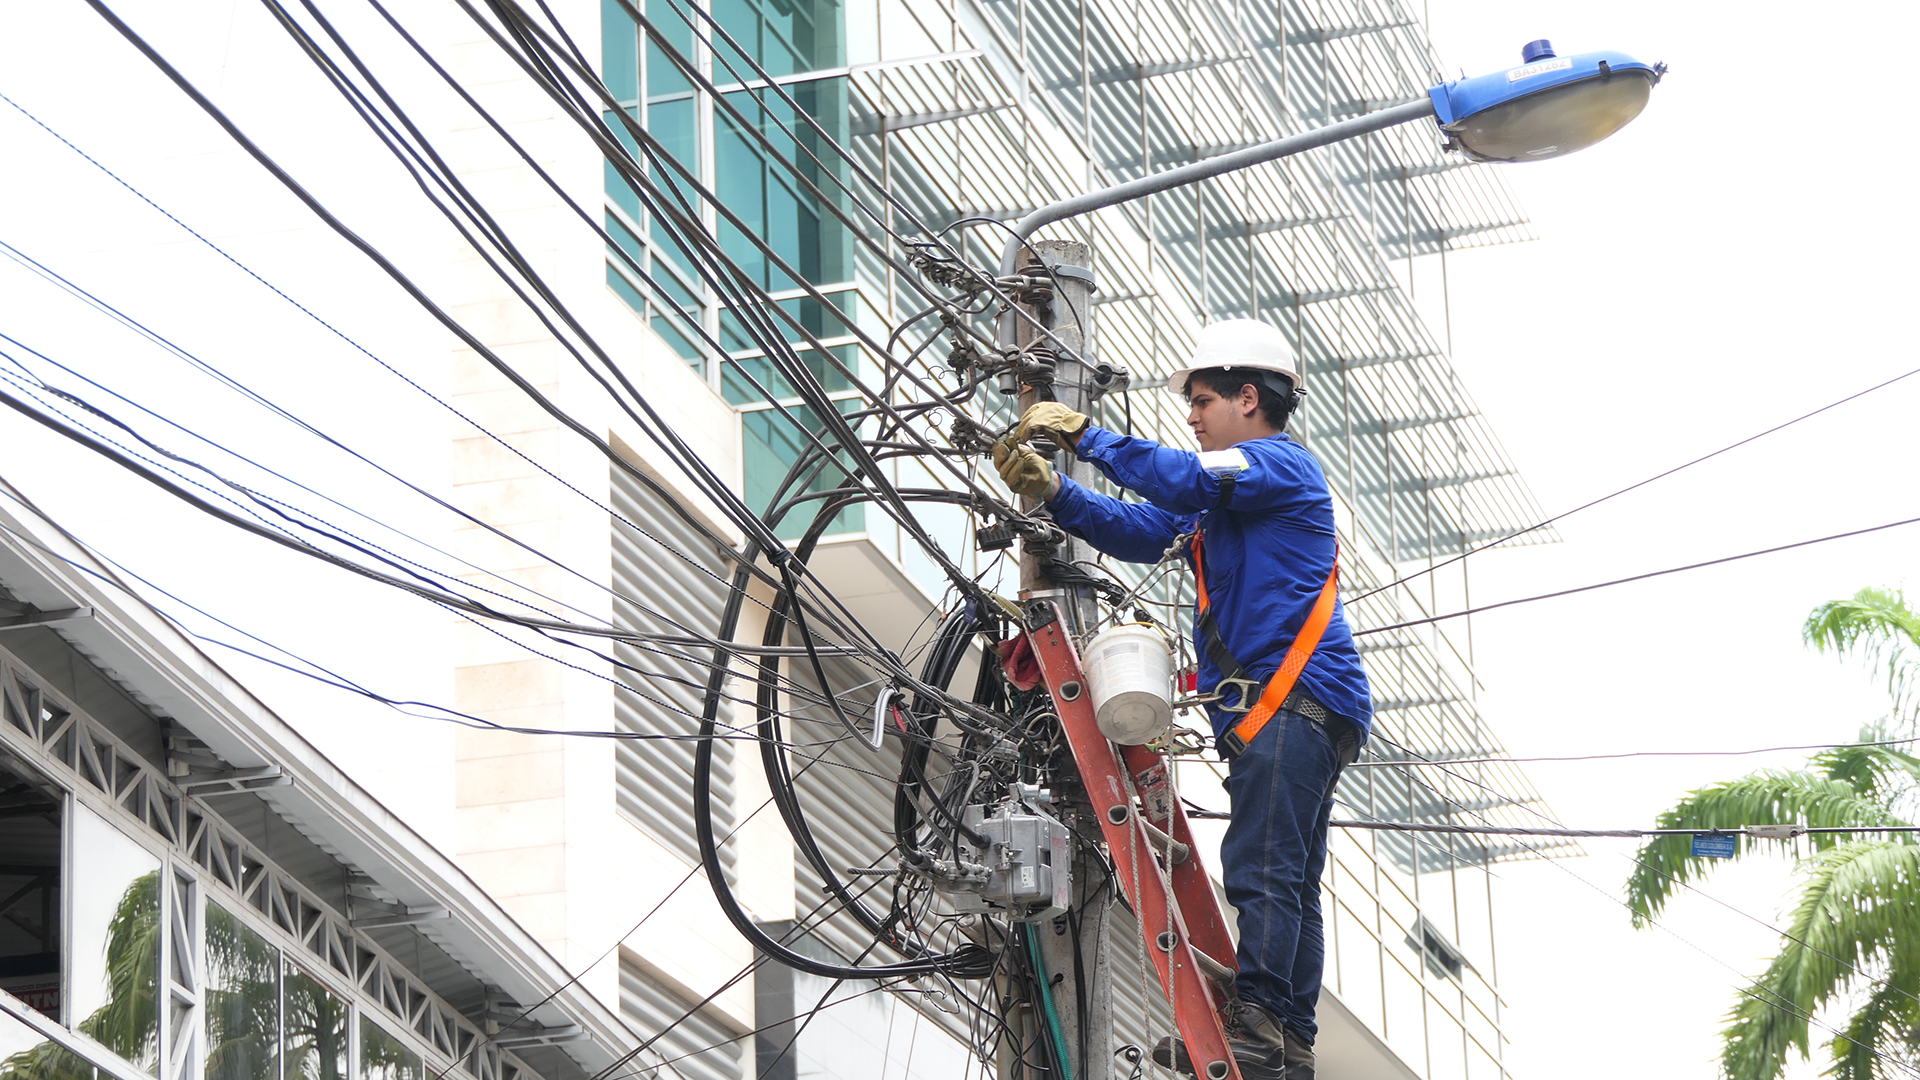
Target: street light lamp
(1549,106)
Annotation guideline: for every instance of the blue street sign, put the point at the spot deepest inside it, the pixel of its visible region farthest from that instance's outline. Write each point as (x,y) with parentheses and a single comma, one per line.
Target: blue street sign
(1717,846)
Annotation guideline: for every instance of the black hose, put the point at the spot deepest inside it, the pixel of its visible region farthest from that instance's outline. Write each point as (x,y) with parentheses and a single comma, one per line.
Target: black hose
(969,960)
(943,661)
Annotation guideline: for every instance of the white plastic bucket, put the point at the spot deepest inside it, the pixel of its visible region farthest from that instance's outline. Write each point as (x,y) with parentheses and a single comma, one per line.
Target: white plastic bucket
(1130,675)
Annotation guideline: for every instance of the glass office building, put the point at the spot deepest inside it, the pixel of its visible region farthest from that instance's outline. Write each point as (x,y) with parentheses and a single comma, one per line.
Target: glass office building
(973,111)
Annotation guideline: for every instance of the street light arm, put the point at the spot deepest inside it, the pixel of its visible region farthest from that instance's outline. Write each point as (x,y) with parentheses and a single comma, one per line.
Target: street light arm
(1201,170)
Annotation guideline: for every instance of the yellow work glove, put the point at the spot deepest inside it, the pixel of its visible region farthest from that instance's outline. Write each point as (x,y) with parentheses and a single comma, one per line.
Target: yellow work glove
(1054,418)
(1024,470)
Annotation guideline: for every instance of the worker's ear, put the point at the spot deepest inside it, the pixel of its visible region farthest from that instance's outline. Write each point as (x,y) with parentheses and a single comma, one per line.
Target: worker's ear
(1249,399)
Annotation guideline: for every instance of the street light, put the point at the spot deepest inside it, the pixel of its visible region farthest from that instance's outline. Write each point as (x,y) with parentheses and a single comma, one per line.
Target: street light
(1549,106)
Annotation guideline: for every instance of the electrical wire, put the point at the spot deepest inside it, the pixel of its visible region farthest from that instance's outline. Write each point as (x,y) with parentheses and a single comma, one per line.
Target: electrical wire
(277,507)
(1637,485)
(764,81)
(645,481)
(341,682)
(1782,833)
(319,673)
(660,433)
(1786,833)
(906,520)
(591,122)
(1390,763)
(799,376)
(1636,577)
(636,640)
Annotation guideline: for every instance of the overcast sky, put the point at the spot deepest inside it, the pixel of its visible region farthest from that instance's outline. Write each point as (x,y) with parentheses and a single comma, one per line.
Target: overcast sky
(1738,256)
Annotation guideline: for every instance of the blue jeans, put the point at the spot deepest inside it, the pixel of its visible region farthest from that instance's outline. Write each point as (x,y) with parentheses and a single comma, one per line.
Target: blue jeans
(1281,792)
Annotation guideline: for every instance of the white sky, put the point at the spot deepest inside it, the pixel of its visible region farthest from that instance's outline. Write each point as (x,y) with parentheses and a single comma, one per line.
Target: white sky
(1729,261)
(1736,257)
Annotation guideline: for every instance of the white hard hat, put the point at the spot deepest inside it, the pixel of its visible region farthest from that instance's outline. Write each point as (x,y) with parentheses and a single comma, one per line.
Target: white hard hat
(1239,343)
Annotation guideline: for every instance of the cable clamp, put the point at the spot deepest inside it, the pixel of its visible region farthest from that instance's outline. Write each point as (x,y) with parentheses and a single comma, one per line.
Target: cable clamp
(1776,832)
(973,436)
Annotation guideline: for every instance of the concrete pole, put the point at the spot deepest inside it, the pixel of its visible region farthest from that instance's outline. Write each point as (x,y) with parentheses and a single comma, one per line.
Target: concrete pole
(1069,318)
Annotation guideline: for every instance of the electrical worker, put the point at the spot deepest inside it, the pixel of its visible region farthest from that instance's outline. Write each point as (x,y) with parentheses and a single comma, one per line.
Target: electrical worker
(1271,639)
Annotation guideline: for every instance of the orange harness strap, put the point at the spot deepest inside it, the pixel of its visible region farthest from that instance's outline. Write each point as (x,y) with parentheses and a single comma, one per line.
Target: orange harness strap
(1301,651)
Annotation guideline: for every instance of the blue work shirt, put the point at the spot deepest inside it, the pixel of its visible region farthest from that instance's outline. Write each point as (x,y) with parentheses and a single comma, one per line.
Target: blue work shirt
(1267,552)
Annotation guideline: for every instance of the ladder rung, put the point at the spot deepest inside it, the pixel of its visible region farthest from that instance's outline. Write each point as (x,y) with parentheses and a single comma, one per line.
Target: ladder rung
(1217,971)
(1174,851)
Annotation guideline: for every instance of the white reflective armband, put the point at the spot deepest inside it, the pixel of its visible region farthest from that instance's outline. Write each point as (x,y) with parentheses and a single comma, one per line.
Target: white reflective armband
(1223,462)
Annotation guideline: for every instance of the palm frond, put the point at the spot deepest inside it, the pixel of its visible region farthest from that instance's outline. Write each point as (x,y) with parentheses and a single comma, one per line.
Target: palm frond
(1873,1045)
(1769,797)
(1885,773)
(1877,624)
(1856,907)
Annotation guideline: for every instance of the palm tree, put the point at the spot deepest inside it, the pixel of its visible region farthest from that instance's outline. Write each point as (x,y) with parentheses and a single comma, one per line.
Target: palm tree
(1854,936)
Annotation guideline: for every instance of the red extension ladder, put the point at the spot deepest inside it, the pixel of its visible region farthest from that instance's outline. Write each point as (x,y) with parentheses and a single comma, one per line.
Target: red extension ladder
(1141,816)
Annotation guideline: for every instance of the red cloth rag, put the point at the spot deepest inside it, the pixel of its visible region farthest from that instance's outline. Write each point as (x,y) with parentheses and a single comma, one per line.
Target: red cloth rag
(1018,661)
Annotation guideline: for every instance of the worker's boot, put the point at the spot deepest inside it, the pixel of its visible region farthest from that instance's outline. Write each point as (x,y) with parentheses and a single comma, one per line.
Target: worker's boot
(1256,1040)
(1299,1057)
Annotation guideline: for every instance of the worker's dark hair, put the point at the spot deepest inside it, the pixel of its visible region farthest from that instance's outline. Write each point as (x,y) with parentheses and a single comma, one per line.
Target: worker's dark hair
(1275,406)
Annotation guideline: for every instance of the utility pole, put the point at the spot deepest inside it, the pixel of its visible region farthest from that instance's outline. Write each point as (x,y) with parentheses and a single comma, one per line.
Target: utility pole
(1075,974)
(1068,317)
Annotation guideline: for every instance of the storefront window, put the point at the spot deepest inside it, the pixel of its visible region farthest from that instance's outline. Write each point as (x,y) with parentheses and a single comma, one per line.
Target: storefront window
(243,1001)
(316,1029)
(30,888)
(383,1057)
(116,941)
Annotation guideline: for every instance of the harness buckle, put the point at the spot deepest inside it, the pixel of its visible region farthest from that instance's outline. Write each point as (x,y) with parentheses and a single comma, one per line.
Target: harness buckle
(1250,690)
(1230,745)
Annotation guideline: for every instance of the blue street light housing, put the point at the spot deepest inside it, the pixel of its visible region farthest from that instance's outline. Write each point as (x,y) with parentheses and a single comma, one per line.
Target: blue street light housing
(1549,106)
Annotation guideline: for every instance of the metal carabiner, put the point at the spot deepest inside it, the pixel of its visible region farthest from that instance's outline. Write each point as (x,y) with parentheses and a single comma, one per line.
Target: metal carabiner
(1249,694)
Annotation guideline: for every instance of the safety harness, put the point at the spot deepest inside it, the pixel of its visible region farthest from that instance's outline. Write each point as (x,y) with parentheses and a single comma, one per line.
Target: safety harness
(1280,692)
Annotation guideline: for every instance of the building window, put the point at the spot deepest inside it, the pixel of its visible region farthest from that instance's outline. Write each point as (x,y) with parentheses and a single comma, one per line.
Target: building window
(113,993)
(383,1057)
(243,1000)
(789,205)
(786,37)
(644,266)
(771,446)
(263,983)
(314,1028)
(24,1055)
(1440,955)
(30,816)
(772,196)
